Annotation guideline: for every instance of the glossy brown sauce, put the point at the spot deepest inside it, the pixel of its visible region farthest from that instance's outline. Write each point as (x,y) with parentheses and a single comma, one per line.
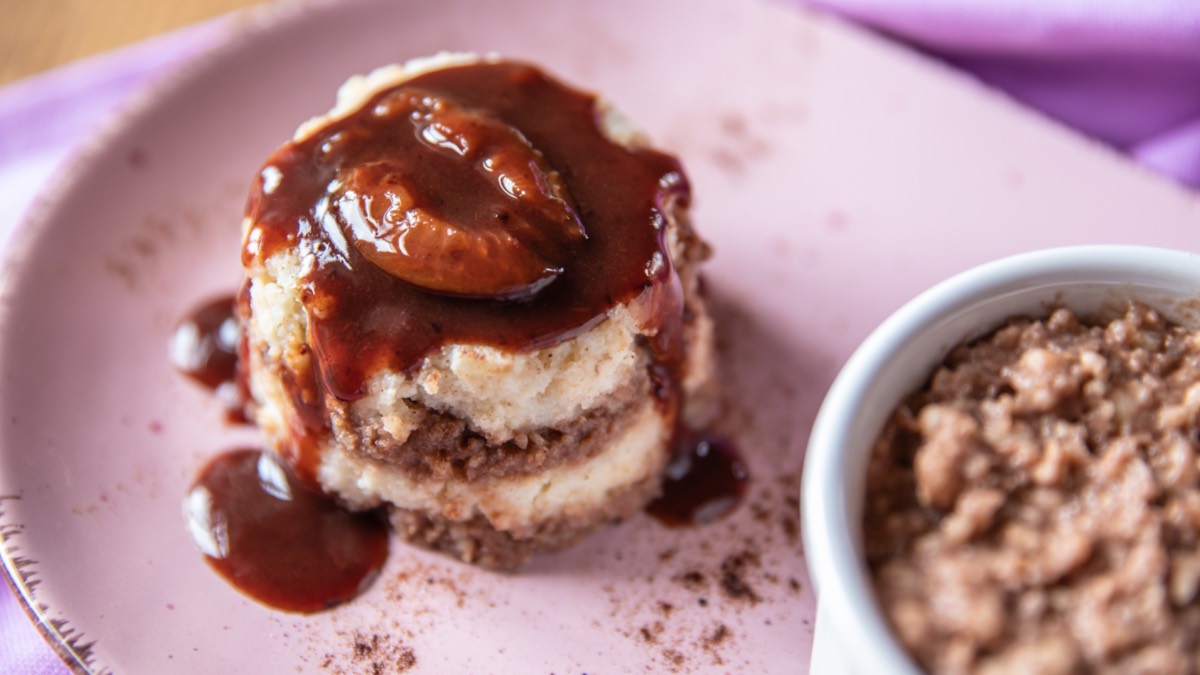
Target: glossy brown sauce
(278,541)
(205,347)
(705,480)
(362,318)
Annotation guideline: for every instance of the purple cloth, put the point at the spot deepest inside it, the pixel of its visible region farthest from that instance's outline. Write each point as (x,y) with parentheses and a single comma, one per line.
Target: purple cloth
(1126,72)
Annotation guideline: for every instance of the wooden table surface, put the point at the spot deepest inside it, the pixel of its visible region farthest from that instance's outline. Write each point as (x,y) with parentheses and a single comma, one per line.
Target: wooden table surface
(36,35)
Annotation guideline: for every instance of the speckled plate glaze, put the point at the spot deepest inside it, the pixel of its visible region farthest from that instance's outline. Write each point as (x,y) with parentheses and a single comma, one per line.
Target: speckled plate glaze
(835,175)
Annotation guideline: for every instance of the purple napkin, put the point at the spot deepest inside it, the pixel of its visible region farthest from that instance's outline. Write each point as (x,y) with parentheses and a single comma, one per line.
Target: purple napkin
(1126,72)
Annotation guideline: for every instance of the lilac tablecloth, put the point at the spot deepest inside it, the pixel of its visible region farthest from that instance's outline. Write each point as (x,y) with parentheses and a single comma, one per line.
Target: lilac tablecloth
(1126,72)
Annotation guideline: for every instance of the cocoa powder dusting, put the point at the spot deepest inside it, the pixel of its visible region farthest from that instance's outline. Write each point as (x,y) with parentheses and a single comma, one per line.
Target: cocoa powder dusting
(734,582)
(372,653)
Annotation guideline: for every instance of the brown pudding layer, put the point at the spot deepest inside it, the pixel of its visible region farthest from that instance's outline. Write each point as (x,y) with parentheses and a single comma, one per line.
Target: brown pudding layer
(443,446)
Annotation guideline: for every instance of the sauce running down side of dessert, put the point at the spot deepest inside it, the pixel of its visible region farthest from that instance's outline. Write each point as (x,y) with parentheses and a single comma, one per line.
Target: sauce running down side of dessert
(312,195)
(271,534)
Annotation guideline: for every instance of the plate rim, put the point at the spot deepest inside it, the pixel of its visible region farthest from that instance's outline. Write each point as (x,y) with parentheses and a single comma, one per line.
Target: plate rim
(241,27)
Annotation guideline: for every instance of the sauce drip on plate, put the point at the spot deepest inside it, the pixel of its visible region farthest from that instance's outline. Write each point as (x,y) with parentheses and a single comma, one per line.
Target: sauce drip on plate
(278,541)
(705,480)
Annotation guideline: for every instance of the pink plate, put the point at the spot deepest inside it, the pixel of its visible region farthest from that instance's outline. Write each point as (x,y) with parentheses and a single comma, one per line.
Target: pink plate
(835,175)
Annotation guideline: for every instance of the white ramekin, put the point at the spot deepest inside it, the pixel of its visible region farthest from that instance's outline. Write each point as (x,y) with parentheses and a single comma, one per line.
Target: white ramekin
(852,637)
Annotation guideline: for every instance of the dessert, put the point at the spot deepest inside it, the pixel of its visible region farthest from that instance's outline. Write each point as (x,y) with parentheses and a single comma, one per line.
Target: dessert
(472,297)
(1036,507)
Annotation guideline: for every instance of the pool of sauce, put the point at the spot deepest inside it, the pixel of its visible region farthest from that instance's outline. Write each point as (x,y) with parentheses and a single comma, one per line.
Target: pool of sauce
(277,540)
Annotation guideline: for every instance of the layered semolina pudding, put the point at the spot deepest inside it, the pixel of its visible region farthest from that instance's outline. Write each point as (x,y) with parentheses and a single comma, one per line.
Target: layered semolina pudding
(472,297)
